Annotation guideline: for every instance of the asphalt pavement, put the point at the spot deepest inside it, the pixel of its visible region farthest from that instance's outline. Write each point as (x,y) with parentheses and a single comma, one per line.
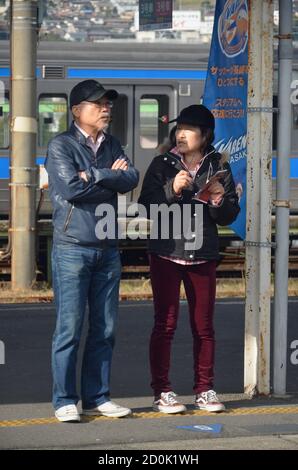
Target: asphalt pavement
(26,414)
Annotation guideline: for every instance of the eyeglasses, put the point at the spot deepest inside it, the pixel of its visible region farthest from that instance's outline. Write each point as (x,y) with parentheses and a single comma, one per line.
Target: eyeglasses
(100,104)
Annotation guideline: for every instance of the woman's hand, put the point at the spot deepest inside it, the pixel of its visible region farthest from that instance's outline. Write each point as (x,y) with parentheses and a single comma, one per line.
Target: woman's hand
(216,193)
(182,180)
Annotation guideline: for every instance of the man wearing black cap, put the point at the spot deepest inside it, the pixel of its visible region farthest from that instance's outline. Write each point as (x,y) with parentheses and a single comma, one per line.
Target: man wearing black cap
(86,168)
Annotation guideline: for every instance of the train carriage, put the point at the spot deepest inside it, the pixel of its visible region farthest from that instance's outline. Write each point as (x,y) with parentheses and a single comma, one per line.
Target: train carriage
(154,81)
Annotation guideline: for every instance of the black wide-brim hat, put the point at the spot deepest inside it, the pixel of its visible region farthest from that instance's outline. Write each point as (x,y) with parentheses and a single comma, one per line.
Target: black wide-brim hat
(90,90)
(196,115)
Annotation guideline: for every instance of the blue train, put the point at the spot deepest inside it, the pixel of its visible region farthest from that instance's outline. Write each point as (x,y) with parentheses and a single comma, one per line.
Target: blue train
(153,80)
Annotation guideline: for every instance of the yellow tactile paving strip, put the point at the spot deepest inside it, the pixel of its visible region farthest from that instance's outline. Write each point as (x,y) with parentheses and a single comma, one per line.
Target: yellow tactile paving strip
(260,410)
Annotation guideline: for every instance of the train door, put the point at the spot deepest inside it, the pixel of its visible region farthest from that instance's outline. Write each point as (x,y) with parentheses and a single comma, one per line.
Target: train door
(121,127)
(152,107)
(122,118)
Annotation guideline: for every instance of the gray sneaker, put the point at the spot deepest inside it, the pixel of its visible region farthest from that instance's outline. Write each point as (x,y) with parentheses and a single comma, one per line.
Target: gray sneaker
(167,402)
(209,401)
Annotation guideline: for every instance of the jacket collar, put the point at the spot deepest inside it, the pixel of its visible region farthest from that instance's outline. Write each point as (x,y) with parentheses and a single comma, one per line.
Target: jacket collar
(174,160)
(77,134)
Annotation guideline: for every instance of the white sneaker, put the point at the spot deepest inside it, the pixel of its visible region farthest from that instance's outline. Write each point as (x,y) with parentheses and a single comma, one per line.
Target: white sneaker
(209,401)
(110,409)
(167,402)
(68,413)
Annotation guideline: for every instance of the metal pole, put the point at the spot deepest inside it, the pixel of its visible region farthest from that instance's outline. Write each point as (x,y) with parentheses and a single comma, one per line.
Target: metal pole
(258,223)
(252,261)
(23,141)
(282,195)
(265,198)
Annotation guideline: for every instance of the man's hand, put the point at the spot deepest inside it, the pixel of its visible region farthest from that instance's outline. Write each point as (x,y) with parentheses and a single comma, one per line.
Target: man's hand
(119,164)
(182,180)
(83,176)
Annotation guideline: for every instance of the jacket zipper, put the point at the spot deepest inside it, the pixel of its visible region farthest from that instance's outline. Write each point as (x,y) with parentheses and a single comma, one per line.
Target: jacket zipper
(207,155)
(184,166)
(67,221)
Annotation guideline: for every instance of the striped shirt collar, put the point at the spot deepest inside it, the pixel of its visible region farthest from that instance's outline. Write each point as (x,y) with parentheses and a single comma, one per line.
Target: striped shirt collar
(94,145)
(175,151)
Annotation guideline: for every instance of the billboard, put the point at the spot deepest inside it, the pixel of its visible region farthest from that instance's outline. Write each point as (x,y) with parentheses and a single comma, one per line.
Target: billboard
(155,14)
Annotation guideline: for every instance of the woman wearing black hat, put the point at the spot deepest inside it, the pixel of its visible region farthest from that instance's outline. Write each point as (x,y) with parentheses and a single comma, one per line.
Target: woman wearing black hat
(183,181)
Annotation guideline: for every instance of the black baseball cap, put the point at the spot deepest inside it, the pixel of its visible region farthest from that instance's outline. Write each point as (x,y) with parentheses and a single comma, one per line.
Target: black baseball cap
(90,90)
(196,115)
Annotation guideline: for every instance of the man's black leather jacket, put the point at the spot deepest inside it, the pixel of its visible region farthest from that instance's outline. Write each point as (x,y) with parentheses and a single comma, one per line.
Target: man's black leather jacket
(79,215)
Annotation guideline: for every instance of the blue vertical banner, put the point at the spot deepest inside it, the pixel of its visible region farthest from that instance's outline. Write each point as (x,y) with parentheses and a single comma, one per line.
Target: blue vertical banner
(225,91)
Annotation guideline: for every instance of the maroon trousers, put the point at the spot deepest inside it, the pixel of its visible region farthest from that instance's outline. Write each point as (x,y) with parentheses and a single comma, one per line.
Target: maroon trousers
(200,285)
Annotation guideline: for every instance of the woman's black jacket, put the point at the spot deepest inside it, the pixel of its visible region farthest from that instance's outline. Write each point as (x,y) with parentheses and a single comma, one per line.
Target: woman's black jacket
(194,235)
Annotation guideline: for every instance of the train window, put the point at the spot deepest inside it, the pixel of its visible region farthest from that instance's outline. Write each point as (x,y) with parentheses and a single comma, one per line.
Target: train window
(52,112)
(4,122)
(118,126)
(153,129)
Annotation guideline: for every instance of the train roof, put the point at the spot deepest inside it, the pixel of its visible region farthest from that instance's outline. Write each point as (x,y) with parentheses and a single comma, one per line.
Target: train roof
(128,54)
(122,53)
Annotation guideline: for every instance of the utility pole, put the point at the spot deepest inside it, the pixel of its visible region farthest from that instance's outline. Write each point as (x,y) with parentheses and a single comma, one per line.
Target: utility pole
(285,54)
(23,41)
(259,199)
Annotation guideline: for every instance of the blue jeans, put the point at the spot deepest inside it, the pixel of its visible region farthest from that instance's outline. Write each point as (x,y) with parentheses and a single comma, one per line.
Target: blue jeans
(84,275)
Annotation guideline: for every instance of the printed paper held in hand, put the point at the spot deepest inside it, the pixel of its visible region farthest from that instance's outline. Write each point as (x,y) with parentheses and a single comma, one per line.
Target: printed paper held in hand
(203,195)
